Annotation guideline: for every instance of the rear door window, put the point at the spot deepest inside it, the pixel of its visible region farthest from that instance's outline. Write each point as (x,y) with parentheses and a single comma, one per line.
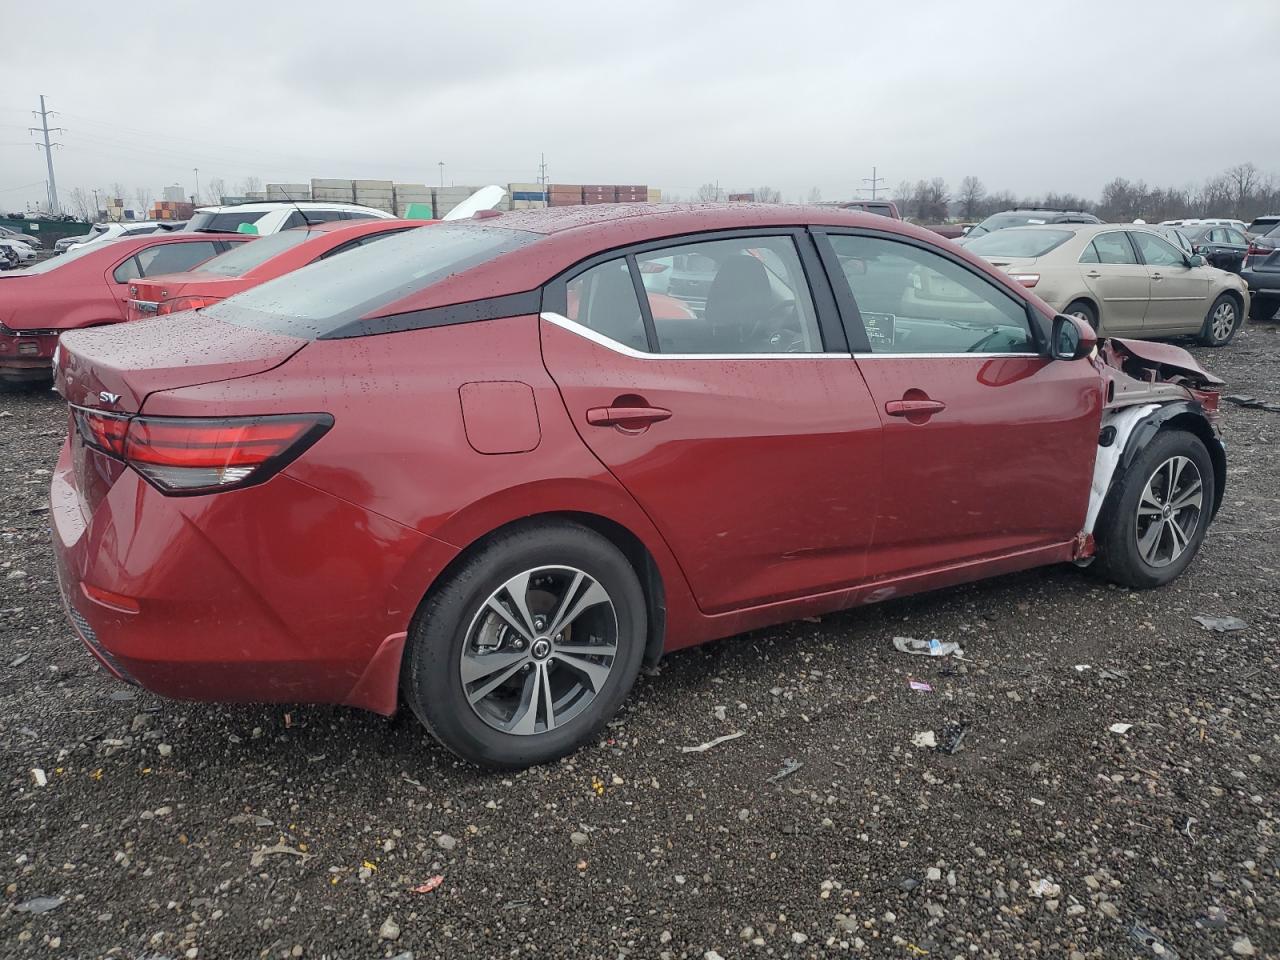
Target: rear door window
(1114,248)
(1157,252)
(603,299)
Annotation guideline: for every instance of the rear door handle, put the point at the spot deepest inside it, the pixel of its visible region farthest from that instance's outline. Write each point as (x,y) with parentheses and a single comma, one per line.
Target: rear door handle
(908,408)
(626,416)
(1093,274)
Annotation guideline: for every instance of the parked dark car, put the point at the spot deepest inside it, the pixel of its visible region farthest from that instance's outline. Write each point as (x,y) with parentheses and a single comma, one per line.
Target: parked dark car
(1222,247)
(1025,217)
(885,208)
(1261,226)
(470,469)
(1260,269)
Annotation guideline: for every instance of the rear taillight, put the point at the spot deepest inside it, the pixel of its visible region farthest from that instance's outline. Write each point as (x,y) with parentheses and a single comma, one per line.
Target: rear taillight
(178,304)
(189,455)
(1026,279)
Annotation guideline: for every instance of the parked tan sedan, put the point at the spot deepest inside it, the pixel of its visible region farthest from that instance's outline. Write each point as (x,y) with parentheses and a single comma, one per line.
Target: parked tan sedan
(1125,280)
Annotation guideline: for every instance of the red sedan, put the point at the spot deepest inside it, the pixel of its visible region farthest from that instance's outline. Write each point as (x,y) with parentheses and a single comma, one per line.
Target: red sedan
(471,468)
(245,267)
(86,287)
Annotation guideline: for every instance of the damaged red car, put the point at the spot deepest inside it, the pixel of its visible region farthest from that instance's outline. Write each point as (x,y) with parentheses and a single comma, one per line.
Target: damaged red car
(475,470)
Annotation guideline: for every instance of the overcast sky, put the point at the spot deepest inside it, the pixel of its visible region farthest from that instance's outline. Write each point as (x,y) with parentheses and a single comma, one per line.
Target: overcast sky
(1030,97)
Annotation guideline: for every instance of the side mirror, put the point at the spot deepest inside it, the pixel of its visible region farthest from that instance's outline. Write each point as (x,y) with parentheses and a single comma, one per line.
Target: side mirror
(964,230)
(854,266)
(1072,338)
(1195,260)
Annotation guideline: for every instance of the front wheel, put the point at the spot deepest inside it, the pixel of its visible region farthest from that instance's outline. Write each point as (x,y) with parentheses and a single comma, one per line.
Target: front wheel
(1083,310)
(1221,323)
(1156,516)
(525,652)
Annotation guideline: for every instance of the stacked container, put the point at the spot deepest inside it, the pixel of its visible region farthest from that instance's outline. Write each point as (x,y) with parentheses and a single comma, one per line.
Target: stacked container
(599,193)
(288,191)
(654,195)
(171,210)
(412,193)
(565,195)
(631,193)
(527,196)
(332,190)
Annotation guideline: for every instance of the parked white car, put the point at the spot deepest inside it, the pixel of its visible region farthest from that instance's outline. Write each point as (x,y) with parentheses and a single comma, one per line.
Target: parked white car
(14,253)
(102,232)
(272,216)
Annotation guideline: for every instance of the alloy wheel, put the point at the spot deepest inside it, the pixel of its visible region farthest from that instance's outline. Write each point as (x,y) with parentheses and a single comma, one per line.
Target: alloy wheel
(1223,320)
(1169,511)
(539,650)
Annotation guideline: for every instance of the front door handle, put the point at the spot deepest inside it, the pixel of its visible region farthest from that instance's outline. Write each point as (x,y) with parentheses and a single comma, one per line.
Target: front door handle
(1157,276)
(914,408)
(1093,274)
(633,417)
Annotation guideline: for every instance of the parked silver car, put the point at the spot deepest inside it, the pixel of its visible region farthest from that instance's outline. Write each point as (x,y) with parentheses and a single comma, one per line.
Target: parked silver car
(1125,280)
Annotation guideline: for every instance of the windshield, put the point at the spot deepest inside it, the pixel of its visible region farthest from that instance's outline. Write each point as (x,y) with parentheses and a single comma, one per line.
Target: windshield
(1002,220)
(240,260)
(1019,243)
(53,263)
(325,296)
(222,222)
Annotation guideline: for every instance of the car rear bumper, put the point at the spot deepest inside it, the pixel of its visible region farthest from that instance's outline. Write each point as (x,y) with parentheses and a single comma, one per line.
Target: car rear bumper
(1265,282)
(275,594)
(27,357)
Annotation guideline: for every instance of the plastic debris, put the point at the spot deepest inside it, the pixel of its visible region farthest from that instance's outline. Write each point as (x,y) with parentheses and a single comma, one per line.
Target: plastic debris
(920,685)
(789,767)
(925,738)
(1121,728)
(1220,624)
(1252,402)
(38,776)
(428,886)
(953,735)
(260,855)
(927,648)
(39,905)
(704,747)
(1082,667)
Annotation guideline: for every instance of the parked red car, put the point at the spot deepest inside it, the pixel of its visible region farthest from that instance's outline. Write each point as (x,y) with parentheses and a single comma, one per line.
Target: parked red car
(86,287)
(469,467)
(244,267)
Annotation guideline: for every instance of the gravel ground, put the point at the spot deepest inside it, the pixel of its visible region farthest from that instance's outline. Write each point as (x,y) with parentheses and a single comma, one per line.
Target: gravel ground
(171,829)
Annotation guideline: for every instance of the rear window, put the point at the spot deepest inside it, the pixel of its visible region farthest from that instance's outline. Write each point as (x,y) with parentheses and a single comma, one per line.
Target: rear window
(325,296)
(53,263)
(1264,225)
(222,222)
(1018,243)
(238,262)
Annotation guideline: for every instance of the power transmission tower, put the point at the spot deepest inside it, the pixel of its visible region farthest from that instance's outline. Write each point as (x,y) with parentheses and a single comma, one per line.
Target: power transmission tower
(44,128)
(197,170)
(875,182)
(542,172)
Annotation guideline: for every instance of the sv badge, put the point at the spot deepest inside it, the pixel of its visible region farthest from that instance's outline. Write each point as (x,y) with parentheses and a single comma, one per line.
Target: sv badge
(109,398)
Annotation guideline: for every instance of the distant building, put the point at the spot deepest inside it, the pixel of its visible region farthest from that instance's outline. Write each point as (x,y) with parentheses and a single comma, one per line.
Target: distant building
(175,193)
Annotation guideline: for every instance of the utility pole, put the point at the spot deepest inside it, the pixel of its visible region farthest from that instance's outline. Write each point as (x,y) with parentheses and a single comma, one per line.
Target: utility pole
(542,173)
(875,182)
(44,128)
(441,165)
(96,207)
(197,170)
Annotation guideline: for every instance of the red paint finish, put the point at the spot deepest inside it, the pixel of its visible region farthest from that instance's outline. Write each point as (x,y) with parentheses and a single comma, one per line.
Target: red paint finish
(763,488)
(323,239)
(499,417)
(80,292)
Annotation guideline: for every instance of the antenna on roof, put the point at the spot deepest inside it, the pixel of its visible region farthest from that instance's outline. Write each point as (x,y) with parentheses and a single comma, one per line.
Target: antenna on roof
(302,213)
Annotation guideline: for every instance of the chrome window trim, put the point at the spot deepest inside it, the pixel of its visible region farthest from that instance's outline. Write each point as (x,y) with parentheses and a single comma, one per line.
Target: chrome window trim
(587,333)
(942,356)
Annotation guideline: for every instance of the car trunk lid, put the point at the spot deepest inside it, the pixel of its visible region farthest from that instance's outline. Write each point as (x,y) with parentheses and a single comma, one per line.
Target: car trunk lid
(115,368)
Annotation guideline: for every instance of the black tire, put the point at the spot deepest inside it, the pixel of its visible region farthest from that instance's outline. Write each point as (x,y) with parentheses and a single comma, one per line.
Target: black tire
(1263,309)
(1218,329)
(431,680)
(1083,309)
(1120,558)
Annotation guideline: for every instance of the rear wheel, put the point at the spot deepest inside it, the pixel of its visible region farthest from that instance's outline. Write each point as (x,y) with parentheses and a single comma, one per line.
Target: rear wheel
(528,648)
(1084,310)
(1157,514)
(1221,323)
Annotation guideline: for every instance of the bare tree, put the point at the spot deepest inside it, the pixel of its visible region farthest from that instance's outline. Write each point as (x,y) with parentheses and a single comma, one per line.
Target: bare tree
(708,192)
(815,195)
(972,192)
(215,190)
(142,197)
(931,200)
(767,195)
(1243,179)
(250,185)
(81,204)
(903,194)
